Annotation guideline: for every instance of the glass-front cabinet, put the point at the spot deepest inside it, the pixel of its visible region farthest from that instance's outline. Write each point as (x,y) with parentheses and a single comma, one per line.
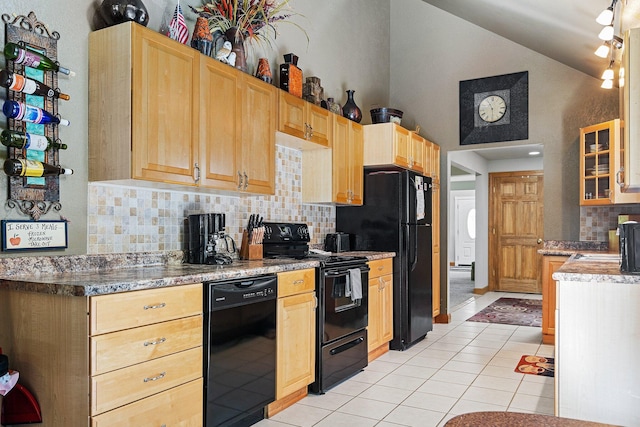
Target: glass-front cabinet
(596,145)
(602,165)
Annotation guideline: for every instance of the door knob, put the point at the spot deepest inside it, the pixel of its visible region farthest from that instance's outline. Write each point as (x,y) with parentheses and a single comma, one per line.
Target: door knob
(539,241)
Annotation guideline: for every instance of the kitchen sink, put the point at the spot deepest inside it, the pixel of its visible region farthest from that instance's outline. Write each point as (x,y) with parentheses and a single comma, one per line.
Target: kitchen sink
(597,257)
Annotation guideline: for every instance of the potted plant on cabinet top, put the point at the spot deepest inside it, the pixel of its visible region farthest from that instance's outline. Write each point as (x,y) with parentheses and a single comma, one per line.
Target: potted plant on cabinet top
(240,20)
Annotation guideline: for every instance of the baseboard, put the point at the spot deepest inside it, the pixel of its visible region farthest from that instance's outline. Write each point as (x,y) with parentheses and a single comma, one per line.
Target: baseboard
(481,291)
(375,353)
(282,404)
(442,318)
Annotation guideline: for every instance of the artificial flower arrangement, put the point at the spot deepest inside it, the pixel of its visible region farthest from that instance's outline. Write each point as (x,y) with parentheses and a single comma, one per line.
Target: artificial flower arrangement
(252,18)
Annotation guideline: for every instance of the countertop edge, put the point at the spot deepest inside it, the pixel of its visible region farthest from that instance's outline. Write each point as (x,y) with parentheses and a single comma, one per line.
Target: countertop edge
(93,283)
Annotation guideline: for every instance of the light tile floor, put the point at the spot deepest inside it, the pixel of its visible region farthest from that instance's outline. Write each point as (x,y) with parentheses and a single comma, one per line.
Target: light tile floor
(460,367)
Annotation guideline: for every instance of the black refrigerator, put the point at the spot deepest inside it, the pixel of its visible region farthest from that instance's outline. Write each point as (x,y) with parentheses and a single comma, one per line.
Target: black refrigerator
(396,216)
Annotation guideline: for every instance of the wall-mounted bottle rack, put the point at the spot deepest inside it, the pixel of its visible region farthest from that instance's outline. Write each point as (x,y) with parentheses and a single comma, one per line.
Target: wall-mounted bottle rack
(33,196)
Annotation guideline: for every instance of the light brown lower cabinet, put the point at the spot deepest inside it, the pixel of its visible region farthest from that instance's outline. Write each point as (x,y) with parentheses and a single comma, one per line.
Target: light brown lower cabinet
(296,330)
(549,266)
(105,361)
(380,328)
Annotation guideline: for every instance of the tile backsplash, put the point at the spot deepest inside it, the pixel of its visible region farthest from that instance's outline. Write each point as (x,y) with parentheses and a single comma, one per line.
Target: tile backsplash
(596,221)
(127,219)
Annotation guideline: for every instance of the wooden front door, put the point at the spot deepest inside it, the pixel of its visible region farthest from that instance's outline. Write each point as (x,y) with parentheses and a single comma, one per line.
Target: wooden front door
(515,231)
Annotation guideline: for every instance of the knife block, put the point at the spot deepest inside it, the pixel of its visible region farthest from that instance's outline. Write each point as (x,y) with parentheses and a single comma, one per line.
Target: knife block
(248,251)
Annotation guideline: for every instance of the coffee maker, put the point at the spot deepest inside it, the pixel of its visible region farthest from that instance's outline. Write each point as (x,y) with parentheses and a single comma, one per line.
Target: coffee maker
(204,231)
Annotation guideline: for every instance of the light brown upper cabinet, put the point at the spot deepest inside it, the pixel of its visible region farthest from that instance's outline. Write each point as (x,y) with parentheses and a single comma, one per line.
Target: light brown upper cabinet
(161,112)
(391,144)
(335,176)
(602,166)
(302,119)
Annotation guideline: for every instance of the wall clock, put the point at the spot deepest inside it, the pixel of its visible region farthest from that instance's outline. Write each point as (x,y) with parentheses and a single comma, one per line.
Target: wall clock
(494,109)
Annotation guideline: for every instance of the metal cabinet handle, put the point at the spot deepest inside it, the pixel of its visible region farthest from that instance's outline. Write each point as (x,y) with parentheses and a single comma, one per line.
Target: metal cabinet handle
(298,282)
(157,377)
(156,342)
(381,283)
(153,307)
(246,181)
(239,180)
(196,173)
(619,179)
(380,267)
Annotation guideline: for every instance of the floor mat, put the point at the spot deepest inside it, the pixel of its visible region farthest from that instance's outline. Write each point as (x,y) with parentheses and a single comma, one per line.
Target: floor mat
(536,365)
(511,311)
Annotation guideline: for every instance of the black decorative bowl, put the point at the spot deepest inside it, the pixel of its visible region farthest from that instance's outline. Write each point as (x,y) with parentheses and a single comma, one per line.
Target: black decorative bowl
(386,115)
(113,12)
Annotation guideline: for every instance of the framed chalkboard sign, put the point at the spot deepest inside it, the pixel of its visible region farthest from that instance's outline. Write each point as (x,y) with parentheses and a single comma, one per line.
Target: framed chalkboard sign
(22,235)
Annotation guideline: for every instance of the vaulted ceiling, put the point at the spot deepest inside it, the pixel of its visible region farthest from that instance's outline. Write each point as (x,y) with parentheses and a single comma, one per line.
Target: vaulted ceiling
(564,30)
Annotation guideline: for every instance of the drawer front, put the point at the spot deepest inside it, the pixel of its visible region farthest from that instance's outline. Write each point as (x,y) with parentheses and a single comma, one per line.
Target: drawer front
(380,267)
(118,388)
(295,282)
(126,310)
(131,346)
(178,407)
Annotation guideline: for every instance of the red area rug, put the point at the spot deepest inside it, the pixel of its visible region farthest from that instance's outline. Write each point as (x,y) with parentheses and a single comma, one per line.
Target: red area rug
(536,365)
(511,311)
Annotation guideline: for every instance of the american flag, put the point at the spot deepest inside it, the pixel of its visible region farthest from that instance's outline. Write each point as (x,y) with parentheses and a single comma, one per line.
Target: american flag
(177,27)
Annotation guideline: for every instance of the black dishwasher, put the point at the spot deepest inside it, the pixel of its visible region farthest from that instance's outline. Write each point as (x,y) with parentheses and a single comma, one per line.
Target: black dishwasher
(240,350)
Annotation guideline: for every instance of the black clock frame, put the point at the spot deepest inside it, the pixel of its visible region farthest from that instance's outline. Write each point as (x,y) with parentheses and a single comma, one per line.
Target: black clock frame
(516,128)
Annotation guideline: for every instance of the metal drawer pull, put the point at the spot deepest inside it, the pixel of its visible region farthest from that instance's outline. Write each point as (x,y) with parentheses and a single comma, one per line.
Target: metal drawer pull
(152,307)
(380,267)
(160,341)
(298,282)
(146,380)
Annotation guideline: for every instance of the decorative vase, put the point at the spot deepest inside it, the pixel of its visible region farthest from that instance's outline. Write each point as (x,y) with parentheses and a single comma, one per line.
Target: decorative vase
(236,38)
(291,75)
(333,106)
(202,39)
(263,70)
(113,12)
(350,110)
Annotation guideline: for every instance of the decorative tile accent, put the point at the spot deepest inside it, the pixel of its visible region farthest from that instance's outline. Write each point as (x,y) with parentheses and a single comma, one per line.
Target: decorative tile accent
(596,221)
(125,219)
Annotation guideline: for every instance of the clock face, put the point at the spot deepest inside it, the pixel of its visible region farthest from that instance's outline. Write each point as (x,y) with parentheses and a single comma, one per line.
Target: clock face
(492,108)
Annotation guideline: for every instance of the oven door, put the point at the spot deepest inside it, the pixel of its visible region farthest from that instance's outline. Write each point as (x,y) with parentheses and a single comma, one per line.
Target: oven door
(342,315)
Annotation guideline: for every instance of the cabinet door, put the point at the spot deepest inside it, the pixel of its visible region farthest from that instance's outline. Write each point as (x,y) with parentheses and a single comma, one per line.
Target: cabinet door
(295,343)
(340,156)
(435,225)
(402,147)
(435,162)
(386,308)
(165,109)
(291,115)
(549,266)
(356,168)
(416,161)
(375,315)
(257,137)
(219,126)
(596,157)
(319,119)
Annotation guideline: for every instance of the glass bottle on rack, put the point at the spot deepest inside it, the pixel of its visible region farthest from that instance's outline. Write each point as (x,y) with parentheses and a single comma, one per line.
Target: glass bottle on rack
(28,113)
(33,168)
(19,83)
(25,140)
(31,58)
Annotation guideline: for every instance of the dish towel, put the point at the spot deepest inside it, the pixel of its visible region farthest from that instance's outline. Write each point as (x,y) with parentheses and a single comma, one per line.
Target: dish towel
(355,277)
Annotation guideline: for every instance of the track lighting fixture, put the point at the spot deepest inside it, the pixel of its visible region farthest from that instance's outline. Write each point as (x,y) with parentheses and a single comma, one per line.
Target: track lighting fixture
(608,73)
(606,16)
(607,84)
(607,33)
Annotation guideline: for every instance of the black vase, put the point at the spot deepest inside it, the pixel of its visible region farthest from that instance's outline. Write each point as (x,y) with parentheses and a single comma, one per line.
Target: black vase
(350,110)
(113,12)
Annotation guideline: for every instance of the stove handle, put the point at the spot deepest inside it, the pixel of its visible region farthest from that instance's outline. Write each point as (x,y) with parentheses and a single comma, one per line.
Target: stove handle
(341,273)
(347,346)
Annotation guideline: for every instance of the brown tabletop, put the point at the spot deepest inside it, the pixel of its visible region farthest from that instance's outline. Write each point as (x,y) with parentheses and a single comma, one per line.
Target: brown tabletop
(516,419)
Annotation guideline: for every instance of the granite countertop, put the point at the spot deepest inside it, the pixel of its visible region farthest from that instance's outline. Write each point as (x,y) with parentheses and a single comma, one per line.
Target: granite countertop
(581,268)
(569,247)
(89,275)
